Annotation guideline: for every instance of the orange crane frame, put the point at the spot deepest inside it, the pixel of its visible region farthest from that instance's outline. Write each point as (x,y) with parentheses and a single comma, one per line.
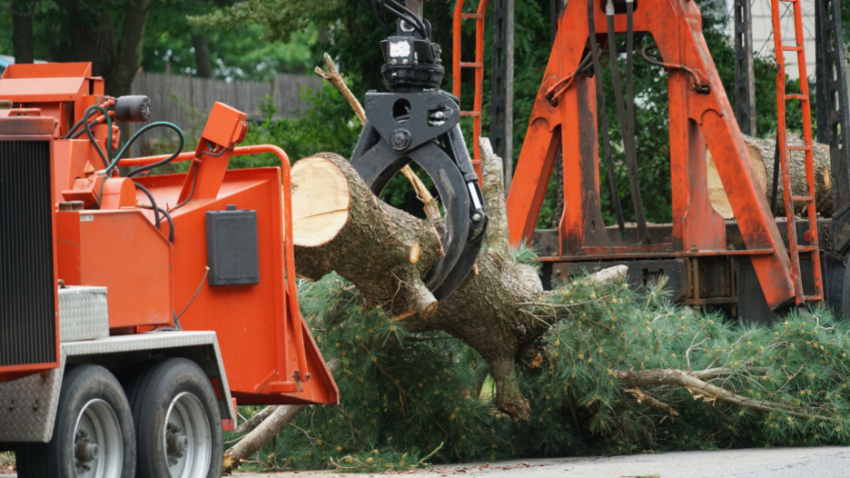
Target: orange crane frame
(697,118)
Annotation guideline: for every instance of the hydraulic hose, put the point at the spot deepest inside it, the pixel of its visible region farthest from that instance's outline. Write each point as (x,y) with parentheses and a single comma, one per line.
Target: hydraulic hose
(86,116)
(628,136)
(170,224)
(136,136)
(152,200)
(165,161)
(775,188)
(603,119)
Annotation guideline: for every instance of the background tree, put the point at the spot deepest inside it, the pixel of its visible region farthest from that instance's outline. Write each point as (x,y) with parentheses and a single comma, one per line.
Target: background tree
(351,25)
(22,13)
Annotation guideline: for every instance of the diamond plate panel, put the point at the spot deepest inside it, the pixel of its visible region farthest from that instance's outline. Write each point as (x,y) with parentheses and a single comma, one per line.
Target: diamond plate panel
(83,314)
(28,406)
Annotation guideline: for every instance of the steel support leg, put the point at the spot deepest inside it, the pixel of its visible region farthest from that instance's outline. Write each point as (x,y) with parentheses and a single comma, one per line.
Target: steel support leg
(833,84)
(502,80)
(745,94)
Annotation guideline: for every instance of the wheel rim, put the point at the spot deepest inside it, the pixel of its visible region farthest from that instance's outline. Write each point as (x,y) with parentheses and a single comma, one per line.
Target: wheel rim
(98,447)
(187,438)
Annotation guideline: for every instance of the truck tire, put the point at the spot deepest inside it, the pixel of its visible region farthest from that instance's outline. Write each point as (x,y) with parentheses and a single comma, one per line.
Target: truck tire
(93,436)
(178,423)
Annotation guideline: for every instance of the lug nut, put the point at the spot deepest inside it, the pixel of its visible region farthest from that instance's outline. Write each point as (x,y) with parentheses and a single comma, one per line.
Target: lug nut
(177,444)
(86,451)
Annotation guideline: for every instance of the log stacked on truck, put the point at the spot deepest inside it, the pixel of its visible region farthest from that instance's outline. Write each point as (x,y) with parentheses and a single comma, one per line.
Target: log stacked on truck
(762,153)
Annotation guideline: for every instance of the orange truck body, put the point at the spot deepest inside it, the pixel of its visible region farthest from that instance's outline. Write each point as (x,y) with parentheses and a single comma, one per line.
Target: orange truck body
(266,346)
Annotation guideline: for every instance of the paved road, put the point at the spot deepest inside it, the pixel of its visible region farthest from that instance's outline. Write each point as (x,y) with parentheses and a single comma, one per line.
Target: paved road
(826,462)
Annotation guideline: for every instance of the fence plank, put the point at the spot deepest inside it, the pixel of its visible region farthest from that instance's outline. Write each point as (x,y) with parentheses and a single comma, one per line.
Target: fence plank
(186,101)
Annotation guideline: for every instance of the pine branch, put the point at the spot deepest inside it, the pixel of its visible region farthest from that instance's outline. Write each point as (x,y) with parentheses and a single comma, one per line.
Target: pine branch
(643,397)
(709,392)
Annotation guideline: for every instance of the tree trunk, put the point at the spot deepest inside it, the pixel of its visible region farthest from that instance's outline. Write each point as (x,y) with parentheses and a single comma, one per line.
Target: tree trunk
(762,152)
(22,32)
(416,6)
(129,58)
(203,63)
(373,251)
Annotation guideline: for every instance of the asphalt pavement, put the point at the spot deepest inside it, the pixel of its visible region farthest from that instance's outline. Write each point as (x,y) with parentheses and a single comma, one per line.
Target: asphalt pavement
(825,462)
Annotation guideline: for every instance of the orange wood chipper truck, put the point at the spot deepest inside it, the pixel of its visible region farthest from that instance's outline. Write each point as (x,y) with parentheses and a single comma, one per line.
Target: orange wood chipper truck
(136,311)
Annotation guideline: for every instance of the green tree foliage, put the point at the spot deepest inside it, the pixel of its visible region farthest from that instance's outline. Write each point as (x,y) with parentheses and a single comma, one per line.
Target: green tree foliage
(405,395)
(354,42)
(237,52)
(279,18)
(327,125)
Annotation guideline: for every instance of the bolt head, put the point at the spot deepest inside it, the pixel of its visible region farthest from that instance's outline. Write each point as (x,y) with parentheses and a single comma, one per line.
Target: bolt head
(401,139)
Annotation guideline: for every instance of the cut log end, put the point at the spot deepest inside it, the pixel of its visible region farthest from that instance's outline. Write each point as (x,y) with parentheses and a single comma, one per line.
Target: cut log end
(318,213)
(716,192)
(762,152)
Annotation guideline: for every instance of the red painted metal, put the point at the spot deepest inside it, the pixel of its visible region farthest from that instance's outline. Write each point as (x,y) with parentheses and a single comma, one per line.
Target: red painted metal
(696,119)
(478,65)
(269,379)
(122,251)
(60,90)
(811,235)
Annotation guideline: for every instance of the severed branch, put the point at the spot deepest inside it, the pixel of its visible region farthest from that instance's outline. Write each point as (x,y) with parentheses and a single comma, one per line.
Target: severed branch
(334,78)
(431,205)
(493,190)
(643,397)
(254,441)
(270,427)
(706,391)
(254,421)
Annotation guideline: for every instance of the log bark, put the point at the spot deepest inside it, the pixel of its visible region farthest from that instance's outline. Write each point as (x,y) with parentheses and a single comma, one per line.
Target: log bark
(255,421)
(762,152)
(372,250)
(253,441)
(494,194)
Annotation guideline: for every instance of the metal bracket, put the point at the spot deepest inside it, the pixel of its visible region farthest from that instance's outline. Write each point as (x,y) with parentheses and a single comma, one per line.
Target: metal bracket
(438,147)
(415,117)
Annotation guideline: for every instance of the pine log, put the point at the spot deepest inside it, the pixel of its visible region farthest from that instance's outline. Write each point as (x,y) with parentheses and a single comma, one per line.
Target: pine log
(318,213)
(372,250)
(762,152)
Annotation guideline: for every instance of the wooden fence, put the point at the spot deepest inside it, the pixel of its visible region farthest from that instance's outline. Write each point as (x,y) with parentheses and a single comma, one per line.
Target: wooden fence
(186,101)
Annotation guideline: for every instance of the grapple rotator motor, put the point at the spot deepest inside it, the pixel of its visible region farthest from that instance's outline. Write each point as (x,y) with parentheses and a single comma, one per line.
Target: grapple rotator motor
(416,121)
